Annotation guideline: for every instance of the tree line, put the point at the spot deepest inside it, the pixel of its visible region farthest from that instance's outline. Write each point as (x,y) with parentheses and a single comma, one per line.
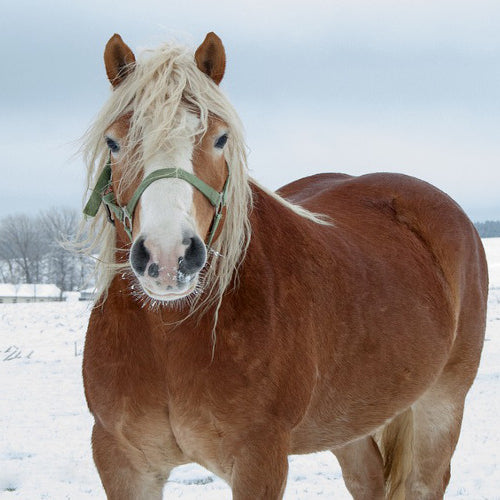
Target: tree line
(488,229)
(32,250)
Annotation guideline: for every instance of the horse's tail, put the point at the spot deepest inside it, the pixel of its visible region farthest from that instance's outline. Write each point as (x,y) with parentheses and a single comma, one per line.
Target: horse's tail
(395,441)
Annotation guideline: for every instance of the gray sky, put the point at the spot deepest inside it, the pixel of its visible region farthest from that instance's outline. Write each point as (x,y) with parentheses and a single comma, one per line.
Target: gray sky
(348,86)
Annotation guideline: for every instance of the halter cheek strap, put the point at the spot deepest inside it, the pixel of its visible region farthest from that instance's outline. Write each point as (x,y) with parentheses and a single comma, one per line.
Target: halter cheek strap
(103,193)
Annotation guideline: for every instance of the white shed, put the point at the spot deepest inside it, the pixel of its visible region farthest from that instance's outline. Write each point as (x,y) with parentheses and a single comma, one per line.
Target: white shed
(29,292)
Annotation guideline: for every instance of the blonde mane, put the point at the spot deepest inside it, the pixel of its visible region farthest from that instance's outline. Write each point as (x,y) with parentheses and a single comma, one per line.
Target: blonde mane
(162,81)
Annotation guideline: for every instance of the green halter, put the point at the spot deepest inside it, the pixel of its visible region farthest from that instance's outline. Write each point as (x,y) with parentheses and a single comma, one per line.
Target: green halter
(103,193)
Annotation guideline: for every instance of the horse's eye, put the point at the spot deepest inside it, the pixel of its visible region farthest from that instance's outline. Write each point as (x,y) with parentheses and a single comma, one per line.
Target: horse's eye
(221,141)
(113,146)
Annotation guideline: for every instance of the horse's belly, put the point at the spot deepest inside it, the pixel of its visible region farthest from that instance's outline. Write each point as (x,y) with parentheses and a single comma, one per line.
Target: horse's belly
(370,379)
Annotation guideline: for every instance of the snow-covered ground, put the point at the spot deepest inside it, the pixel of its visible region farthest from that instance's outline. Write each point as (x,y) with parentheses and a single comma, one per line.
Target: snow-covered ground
(45,426)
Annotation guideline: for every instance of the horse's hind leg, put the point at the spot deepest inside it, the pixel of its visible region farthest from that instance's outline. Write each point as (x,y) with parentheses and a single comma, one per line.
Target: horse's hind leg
(437,421)
(438,413)
(362,469)
(122,479)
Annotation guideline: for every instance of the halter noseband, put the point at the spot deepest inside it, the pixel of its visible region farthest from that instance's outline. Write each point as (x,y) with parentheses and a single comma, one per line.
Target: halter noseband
(103,193)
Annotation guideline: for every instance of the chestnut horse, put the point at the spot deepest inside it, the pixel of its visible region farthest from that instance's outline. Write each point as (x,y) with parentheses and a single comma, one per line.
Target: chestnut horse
(236,326)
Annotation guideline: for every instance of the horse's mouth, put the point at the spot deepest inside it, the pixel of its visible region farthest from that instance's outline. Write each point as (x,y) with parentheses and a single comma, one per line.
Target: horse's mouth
(169,295)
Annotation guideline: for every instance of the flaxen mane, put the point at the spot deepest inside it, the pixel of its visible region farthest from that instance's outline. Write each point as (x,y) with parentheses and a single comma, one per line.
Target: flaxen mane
(164,80)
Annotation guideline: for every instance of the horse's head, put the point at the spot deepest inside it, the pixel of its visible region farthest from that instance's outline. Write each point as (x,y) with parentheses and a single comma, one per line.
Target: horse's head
(167,175)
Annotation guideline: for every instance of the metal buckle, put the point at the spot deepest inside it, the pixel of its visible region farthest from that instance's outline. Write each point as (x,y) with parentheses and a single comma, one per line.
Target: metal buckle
(108,214)
(215,221)
(127,222)
(220,206)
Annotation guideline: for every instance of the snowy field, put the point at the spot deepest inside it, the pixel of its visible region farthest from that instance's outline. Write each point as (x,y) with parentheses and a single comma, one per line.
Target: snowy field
(45,426)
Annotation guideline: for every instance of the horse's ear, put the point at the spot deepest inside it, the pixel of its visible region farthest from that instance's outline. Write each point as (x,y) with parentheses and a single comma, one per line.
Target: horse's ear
(118,59)
(211,57)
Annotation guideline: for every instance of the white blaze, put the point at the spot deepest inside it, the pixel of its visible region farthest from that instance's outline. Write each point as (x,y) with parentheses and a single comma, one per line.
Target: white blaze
(167,204)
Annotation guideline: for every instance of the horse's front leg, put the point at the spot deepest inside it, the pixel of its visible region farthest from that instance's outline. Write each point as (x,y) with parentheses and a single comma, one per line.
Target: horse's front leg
(260,467)
(124,471)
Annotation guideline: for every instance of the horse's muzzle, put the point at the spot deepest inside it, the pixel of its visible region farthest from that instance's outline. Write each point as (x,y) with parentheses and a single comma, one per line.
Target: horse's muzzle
(168,275)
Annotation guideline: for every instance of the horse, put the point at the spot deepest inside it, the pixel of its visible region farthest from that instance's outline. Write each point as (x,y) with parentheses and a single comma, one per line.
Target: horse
(236,325)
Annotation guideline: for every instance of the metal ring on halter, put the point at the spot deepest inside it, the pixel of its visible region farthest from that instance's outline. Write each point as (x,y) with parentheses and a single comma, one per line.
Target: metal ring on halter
(127,221)
(108,212)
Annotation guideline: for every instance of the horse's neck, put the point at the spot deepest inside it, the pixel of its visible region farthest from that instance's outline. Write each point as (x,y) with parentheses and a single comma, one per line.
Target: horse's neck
(279,239)
(270,216)
(280,236)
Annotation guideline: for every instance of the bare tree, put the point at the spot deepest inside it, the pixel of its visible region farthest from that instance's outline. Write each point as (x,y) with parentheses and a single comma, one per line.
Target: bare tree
(59,227)
(9,270)
(23,246)
(36,249)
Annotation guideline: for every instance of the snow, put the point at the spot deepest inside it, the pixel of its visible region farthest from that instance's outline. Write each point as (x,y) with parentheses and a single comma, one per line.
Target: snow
(71,296)
(45,439)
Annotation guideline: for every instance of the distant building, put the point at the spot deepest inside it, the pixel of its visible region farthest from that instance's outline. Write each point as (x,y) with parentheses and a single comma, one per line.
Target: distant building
(87,294)
(28,292)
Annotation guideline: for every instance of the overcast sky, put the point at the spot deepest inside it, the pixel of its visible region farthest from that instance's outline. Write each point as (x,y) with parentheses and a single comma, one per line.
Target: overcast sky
(347,86)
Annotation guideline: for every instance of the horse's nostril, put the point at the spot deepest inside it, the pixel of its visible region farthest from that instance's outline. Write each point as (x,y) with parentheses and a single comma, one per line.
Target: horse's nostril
(194,257)
(139,257)
(154,270)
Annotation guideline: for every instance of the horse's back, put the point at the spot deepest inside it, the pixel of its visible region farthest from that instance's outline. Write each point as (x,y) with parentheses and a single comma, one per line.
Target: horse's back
(408,200)
(362,203)
(380,206)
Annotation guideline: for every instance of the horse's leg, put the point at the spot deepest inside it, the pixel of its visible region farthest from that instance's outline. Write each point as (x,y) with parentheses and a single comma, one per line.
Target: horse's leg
(122,479)
(260,468)
(437,421)
(362,469)
(438,413)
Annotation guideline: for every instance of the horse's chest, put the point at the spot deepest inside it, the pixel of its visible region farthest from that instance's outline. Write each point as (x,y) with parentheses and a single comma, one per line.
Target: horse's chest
(211,405)
(200,436)
(167,416)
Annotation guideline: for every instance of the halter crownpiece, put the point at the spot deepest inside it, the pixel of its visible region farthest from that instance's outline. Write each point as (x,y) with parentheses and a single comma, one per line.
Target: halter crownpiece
(103,193)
